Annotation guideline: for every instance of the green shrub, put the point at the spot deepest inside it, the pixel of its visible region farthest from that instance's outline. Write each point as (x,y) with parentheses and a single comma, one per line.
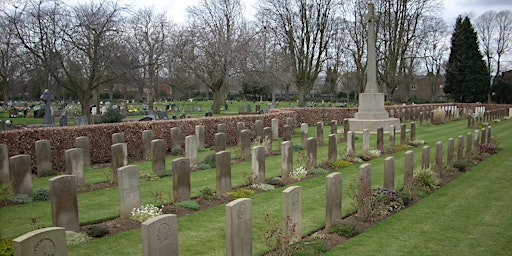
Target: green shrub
(149,177)
(405,196)
(23,199)
(460,165)
(189,204)
(209,160)
(344,228)
(76,238)
(6,247)
(276,182)
(298,147)
(242,193)
(204,167)
(40,194)
(307,248)
(6,192)
(319,171)
(112,115)
(424,178)
(340,163)
(96,231)
(208,194)
(263,186)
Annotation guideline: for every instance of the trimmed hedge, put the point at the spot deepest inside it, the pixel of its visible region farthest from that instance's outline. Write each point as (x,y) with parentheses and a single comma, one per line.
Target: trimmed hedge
(100,135)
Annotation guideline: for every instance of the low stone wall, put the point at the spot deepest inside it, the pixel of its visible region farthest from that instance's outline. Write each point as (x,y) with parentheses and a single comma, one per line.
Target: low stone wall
(100,135)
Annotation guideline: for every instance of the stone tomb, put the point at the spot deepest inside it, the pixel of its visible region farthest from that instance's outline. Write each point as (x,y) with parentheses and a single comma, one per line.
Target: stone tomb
(160,236)
(239,227)
(45,241)
(64,203)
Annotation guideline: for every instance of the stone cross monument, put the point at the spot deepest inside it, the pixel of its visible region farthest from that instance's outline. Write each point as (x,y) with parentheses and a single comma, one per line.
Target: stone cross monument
(371,114)
(47,97)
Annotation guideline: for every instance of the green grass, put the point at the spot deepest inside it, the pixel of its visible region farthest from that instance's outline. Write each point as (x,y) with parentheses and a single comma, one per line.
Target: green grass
(203,233)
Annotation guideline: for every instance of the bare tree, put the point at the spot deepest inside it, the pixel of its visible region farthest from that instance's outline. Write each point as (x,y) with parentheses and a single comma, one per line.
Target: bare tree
(150,32)
(397,26)
(305,29)
(494,33)
(10,66)
(218,29)
(74,46)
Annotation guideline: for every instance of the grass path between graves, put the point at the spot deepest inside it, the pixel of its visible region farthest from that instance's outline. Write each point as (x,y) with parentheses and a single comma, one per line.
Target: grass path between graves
(203,233)
(469,216)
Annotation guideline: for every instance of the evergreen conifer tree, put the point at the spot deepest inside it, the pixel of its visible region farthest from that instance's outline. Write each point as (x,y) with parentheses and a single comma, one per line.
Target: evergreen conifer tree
(467,77)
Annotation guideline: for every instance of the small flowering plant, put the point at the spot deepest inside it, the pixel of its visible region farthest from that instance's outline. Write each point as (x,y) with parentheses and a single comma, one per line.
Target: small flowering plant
(145,212)
(299,173)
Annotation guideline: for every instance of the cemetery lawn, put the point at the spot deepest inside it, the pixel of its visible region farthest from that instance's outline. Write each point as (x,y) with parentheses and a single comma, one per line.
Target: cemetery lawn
(471,215)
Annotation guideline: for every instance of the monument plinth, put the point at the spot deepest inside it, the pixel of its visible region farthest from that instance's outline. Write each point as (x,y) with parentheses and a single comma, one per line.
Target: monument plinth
(371,114)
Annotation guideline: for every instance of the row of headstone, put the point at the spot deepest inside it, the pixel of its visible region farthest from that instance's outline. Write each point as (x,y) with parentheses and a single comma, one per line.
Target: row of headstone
(350,138)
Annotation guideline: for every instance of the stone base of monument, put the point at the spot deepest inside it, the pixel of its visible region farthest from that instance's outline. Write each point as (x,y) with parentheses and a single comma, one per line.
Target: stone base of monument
(371,114)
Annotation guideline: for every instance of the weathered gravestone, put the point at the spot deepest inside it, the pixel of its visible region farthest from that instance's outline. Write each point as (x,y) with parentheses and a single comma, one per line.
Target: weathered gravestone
(119,158)
(200,136)
(176,139)
(223,172)
(45,241)
(147,137)
(334,127)
(333,202)
(220,141)
(47,97)
(245,144)
(129,189)
(450,156)
(380,139)
(275,128)
(160,236)
(158,160)
(413,131)
(332,153)
(64,202)
(365,191)
(118,137)
(239,227)
(21,174)
(320,133)
(350,143)
(312,148)
(258,164)
(292,212)
(43,157)
(84,143)
(389,173)
(304,133)
(191,149)
(425,157)
(5,175)
(408,169)
(460,148)
(258,130)
(392,133)
(240,126)
(439,158)
(267,139)
(181,179)
(287,133)
(74,159)
(286,159)
(366,141)
(222,128)
(403,134)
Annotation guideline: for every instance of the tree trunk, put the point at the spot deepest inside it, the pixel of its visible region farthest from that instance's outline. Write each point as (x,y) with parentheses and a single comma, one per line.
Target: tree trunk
(302,101)
(217,101)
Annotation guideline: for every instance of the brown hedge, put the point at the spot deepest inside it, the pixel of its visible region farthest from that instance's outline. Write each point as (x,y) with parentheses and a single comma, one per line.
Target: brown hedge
(100,135)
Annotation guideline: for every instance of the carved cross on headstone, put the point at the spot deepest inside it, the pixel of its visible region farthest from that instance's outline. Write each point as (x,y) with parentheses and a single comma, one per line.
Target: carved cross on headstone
(47,97)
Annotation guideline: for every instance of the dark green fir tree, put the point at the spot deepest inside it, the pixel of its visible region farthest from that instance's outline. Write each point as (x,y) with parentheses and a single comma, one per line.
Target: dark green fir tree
(467,78)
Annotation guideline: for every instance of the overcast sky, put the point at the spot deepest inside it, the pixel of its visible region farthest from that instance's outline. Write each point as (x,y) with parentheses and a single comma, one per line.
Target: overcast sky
(452,8)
